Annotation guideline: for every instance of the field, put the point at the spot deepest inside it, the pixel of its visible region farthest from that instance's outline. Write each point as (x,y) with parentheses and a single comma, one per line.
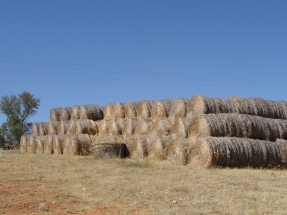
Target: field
(50,184)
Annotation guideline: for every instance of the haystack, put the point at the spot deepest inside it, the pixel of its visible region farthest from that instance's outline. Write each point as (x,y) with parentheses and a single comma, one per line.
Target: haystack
(144,109)
(58,144)
(40,128)
(55,114)
(85,126)
(35,129)
(109,149)
(39,142)
(178,129)
(131,109)
(65,114)
(178,109)
(75,114)
(115,127)
(103,126)
(63,127)
(118,110)
(137,147)
(238,152)
(52,128)
(70,127)
(129,127)
(143,127)
(92,112)
(108,111)
(23,144)
(177,150)
(161,127)
(48,144)
(157,147)
(31,146)
(76,144)
(160,109)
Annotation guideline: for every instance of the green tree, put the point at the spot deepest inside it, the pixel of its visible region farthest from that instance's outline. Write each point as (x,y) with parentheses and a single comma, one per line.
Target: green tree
(18,109)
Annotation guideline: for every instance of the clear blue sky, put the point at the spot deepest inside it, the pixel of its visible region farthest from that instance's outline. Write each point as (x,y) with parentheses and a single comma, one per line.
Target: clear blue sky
(95,52)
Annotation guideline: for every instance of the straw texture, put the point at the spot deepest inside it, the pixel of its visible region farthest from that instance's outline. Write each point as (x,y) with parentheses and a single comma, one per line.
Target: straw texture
(160,109)
(109,149)
(118,110)
(31,146)
(161,127)
(131,109)
(85,126)
(48,144)
(115,127)
(76,144)
(65,113)
(157,147)
(58,144)
(178,129)
(55,114)
(108,111)
(129,127)
(52,128)
(39,142)
(178,109)
(75,114)
(144,109)
(92,112)
(23,144)
(143,127)
(177,151)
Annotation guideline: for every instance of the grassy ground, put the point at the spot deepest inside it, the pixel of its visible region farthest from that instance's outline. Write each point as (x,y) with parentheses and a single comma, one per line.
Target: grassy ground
(50,184)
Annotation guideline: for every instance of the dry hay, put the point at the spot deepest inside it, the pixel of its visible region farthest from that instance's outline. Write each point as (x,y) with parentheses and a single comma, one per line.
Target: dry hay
(75,114)
(35,129)
(48,144)
(118,111)
(238,125)
(39,142)
(144,109)
(63,127)
(58,144)
(178,109)
(65,113)
(160,109)
(108,111)
(103,126)
(23,144)
(115,127)
(70,127)
(129,127)
(76,144)
(137,147)
(92,112)
(55,114)
(157,147)
(178,129)
(131,109)
(85,126)
(109,149)
(161,127)
(52,128)
(96,139)
(177,152)
(238,152)
(143,127)
(40,128)
(31,147)
(278,140)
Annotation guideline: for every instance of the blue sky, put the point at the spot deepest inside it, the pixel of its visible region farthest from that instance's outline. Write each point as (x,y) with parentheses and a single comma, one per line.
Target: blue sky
(95,52)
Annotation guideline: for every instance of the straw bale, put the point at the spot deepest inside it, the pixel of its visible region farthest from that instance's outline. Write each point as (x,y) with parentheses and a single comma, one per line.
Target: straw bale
(31,146)
(179,128)
(85,126)
(118,110)
(144,109)
(97,139)
(70,127)
(63,127)
(178,109)
(55,114)
(129,127)
(238,125)
(177,150)
(131,109)
(76,144)
(108,111)
(143,127)
(103,126)
(23,144)
(161,127)
(109,149)
(238,152)
(52,128)
(65,113)
(115,127)
(92,112)
(35,129)
(48,144)
(42,128)
(39,142)
(137,147)
(160,109)
(75,114)
(243,105)
(58,144)
(157,147)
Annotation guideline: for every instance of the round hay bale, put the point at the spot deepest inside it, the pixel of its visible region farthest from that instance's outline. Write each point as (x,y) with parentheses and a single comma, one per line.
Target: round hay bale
(48,144)
(108,111)
(129,127)
(58,144)
(103,126)
(131,109)
(92,112)
(75,114)
(35,129)
(179,128)
(39,142)
(237,152)
(65,114)
(42,128)
(242,105)
(160,109)
(63,127)
(178,109)
(161,127)
(144,109)
(137,147)
(118,110)
(55,114)
(52,128)
(23,144)
(76,144)
(85,126)
(177,151)
(31,146)
(143,127)
(70,127)
(97,139)
(109,149)
(115,127)
(157,147)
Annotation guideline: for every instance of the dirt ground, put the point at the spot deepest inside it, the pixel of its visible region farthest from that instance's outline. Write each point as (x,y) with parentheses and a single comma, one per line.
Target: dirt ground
(50,184)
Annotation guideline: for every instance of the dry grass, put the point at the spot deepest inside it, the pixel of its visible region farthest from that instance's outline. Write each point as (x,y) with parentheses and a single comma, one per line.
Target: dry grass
(85,185)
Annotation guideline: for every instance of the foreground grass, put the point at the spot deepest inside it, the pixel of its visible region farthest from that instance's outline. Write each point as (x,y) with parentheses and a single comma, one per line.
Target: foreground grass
(52,184)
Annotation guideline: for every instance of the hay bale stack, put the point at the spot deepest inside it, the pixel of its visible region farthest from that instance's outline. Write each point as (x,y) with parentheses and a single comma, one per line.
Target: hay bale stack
(85,126)
(238,125)
(129,127)
(178,109)
(35,129)
(177,151)
(92,112)
(65,113)
(161,127)
(55,114)
(115,127)
(39,142)
(157,147)
(143,127)
(75,114)
(42,128)
(97,139)
(58,144)
(70,127)
(118,111)
(144,109)
(109,149)
(103,126)
(31,146)
(108,111)
(238,152)
(23,144)
(131,109)
(137,147)
(178,129)
(63,127)
(52,128)
(76,144)
(161,109)
(48,144)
